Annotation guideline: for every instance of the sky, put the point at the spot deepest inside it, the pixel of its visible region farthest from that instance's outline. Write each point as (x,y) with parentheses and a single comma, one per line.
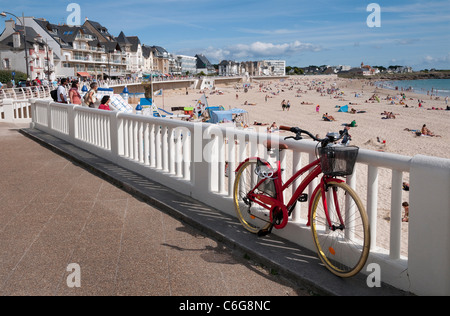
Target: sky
(412,33)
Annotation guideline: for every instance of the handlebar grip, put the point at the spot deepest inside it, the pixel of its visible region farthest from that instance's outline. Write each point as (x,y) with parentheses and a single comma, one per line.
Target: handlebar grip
(285,128)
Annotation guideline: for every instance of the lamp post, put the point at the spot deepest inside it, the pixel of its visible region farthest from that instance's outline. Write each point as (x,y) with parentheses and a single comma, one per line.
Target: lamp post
(3,14)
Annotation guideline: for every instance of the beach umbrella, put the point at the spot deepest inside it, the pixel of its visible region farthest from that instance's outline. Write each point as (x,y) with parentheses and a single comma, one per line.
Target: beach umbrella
(139,108)
(125,93)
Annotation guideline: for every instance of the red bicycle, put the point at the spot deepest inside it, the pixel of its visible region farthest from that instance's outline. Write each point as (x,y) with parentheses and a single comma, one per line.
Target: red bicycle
(336,215)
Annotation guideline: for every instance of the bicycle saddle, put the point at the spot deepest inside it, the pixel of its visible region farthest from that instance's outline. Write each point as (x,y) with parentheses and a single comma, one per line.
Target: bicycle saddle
(270,146)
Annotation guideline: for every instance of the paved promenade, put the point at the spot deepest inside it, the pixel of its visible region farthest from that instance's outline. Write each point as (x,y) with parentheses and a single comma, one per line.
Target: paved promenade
(54,213)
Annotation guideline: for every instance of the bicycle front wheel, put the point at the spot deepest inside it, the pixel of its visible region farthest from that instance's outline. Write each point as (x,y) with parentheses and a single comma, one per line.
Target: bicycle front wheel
(342,238)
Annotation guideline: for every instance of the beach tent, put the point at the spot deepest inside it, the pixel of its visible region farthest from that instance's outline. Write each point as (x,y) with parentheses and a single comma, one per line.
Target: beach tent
(220,116)
(211,109)
(344,109)
(238,111)
(202,104)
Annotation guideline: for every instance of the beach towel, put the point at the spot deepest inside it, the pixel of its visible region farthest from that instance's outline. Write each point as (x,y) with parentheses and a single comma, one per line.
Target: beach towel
(120,104)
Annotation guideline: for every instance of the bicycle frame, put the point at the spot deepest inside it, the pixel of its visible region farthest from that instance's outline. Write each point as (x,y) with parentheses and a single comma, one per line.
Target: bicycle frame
(271,204)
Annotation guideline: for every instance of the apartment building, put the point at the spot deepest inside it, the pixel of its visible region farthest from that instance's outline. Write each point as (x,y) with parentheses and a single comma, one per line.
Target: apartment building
(27,53)
(79,51)
(160,60)
(89,50)
(204,65)
(147,54)
(253,68)
(273,68)
(188,64)
(229,68)
(117,57)
(174,65)
(134,54)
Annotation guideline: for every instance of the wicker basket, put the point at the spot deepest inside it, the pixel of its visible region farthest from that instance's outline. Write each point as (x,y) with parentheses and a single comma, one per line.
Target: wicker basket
(338,161)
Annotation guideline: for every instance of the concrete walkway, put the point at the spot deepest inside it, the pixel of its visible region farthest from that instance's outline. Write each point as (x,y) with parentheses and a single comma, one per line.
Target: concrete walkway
(54,213)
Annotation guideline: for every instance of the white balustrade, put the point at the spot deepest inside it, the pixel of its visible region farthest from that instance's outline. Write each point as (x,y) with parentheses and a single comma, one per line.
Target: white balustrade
(25,93)
(199,160)
(15,111)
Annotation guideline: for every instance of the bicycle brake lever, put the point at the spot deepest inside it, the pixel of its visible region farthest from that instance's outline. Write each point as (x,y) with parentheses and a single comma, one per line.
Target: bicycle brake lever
(294,138)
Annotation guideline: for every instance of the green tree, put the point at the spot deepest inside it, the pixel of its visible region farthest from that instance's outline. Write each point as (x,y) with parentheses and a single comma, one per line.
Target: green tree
(6,76)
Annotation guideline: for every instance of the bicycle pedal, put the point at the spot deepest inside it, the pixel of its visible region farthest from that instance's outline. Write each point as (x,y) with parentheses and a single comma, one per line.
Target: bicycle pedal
(264,232)
(303,198)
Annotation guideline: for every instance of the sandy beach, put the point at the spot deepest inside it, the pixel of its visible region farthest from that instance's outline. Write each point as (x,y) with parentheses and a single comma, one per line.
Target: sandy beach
(395,135)
(373,131)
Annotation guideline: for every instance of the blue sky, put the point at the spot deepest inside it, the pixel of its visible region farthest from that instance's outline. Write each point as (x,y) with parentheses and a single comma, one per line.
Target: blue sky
(414,33)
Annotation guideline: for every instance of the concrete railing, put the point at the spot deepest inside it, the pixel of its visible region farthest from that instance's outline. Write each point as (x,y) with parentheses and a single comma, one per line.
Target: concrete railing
(26,93)
(15,111)
(198,160)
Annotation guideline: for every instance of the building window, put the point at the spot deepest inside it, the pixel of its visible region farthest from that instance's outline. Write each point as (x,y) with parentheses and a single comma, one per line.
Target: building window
(6,64)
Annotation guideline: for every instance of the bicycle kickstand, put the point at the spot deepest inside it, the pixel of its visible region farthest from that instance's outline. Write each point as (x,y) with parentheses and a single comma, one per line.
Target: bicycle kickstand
(265,232)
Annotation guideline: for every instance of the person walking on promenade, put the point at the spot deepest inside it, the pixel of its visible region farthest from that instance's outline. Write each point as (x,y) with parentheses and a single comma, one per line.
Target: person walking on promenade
(62,92)
(91,97)
(74,95)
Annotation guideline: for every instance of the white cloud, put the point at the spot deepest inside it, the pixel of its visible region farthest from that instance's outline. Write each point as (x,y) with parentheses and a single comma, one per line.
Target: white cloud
(436,60)
(258,50)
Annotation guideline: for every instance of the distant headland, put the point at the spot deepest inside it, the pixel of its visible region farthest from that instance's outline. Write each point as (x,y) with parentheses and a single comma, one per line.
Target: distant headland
(438,74)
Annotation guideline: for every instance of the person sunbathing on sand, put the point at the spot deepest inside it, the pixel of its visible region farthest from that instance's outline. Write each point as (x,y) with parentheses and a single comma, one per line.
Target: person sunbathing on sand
(328,118)
(389,115)
(427,132)
(259,124)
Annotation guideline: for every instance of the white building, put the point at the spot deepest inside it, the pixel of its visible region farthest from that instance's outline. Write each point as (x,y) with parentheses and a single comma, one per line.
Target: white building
(134,54)
(273,68)
(32,55)
(188,64)
(229,68)
(147,54)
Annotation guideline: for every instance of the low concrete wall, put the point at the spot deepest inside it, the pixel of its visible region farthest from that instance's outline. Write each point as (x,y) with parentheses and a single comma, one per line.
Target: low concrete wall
(429,222)
(268,78)
(227,81)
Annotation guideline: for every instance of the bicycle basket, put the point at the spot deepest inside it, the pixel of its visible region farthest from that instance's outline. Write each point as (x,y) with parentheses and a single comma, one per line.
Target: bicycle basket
(338,161)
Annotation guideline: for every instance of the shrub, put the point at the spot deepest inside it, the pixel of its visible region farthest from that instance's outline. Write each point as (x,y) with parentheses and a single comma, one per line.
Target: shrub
(6,76)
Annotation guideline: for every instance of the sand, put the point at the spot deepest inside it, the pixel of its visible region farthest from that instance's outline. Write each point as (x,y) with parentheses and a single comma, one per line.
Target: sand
(373,132)
(371,126)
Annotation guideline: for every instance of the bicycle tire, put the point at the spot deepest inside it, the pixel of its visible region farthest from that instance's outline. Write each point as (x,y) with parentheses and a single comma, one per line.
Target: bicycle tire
(253,218)
(343,251)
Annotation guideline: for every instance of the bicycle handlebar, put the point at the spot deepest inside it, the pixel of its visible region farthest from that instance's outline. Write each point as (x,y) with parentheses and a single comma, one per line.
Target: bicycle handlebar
(324,141)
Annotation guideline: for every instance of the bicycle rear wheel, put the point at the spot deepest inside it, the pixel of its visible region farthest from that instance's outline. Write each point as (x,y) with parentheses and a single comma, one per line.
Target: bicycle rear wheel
(251,215)
(343,247)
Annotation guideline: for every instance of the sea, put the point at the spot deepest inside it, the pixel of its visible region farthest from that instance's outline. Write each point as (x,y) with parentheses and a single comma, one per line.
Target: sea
(435,87)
